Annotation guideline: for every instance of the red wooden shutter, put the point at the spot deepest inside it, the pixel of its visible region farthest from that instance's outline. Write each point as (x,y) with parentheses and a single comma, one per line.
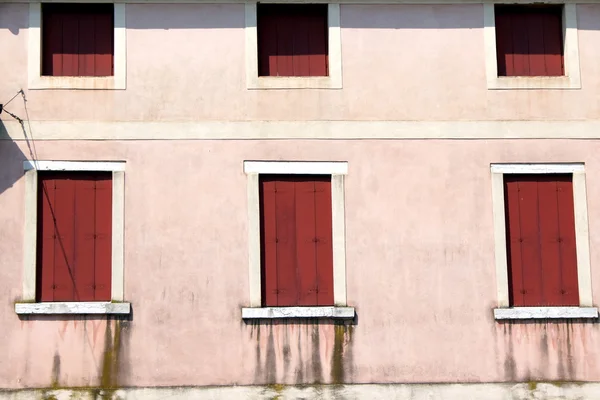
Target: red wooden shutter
(296,240)
(77,39)
(74,236)
(529,40)
(540,221)
(292,40)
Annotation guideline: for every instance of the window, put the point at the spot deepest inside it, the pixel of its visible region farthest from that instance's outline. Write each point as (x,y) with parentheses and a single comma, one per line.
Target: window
(542,250)
(529,40)
(292,40)
(296,238)
(531,46)
(293,46)
(540,222)
(76,46)
(296,248)
(73,238)
(77,39)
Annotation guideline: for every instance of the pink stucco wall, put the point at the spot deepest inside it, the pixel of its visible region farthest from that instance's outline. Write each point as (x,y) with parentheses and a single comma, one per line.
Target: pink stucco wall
(420,247)
(420,272)
(400,62)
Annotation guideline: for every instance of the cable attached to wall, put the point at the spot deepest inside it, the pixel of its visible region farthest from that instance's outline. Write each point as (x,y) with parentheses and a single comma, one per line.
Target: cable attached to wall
(28,138)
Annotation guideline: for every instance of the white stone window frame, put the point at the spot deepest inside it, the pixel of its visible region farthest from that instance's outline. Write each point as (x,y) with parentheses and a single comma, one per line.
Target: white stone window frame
(337,170)
(28,304)
(504,310)
(572,77)
(34,68)
(333,81)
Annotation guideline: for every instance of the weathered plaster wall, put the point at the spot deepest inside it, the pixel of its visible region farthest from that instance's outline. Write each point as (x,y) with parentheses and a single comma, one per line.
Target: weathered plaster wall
(400,62)
(420,272)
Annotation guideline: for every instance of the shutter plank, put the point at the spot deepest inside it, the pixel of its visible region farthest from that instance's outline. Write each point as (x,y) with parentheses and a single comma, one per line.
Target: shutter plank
(103,237)
(51,43)
(267,43)
(84,238)
(301,54)
(316,24)
(568,252)
(104,38)
(530,245)
(513,232)
(285,45)
(306,236)
(324,242)
(87,49)
(520,44)
(535,37)
(64,251)
(268,242)
(553,42)
(70,38)
(504,48)
(46,239)
(549,245)
(286,243)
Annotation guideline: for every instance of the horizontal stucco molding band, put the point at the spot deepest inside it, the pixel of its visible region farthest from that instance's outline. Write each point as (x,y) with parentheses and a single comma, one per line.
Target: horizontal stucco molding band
(545,312)
(72,308)
(240,130)
(297,312)
(487,391)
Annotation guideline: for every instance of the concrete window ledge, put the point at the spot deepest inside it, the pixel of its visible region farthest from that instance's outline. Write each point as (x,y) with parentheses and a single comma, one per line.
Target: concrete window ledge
(297,312)
(72,308)
(545,312)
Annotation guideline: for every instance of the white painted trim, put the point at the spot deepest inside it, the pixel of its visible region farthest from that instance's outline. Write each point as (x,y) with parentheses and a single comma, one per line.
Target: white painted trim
(582,240)
(254,240)
(118,231)
(545,312)
(296,167)
(501,260)
(572,78)
(74,165)
(338,234)
(304,130)
(73,308)
(333,81)
(30,236)
(337,170)
(34,65)
(297,312)
(581,225)
(118,220)
(527,168)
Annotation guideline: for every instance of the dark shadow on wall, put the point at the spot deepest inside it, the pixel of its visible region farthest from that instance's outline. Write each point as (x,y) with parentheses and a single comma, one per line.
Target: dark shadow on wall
(11,160)
(14,17)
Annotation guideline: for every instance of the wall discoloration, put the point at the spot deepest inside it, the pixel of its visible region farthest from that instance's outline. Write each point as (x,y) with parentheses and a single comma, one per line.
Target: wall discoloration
(302,352)
(543,350)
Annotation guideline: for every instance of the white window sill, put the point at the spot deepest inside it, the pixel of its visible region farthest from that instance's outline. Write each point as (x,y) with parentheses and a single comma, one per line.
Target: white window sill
(300,82)
(73,308)
(297,312)
(77,82)
(545,312)
(534,82)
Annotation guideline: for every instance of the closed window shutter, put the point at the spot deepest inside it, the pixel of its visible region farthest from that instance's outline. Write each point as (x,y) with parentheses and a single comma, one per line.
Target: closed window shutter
(77,40)
(297,255)
(292,40)
(529,40)
(541,240)
(74,231)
